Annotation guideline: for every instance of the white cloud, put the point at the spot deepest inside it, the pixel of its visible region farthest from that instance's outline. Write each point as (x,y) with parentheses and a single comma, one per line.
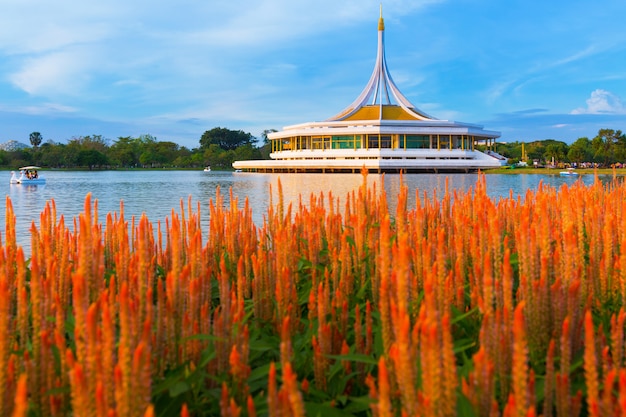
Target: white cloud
(602,102)
(499,89)
(39,109)
(63,46)
(577,56)
(28,26)
(277,21)
(437,111)
(33,26)
(62,73)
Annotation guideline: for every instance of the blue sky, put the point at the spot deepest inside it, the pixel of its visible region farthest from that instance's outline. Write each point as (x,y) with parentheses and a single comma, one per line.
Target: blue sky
(530,69)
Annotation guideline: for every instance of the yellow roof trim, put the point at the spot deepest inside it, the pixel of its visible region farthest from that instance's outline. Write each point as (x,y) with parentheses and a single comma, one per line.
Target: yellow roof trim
(390,112)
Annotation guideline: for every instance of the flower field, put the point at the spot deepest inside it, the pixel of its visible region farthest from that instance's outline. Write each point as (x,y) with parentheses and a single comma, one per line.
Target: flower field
(333,307)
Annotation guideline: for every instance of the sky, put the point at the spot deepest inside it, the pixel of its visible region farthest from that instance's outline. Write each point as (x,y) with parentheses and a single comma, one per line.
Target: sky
(530,69)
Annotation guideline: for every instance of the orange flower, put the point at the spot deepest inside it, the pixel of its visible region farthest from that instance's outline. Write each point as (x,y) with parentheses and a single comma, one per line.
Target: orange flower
(21,398)
(590,366)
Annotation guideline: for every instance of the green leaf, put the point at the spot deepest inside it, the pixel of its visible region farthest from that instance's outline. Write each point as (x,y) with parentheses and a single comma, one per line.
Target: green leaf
(464,407)
(304,265)
(179,388)
(260,372)
(171,378)
(362,291)
(57,359)
(355,357)
(206,357)
(463,345)
(461,317)
(60,390)
(204,337)
(324,410)
(358,404)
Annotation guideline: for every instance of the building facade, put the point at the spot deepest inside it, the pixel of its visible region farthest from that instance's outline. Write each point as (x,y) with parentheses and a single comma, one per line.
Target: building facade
(381,131)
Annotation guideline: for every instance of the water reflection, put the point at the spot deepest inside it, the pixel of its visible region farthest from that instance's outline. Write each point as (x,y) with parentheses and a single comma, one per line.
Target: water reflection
(157,193)
(26,200)
(419,185)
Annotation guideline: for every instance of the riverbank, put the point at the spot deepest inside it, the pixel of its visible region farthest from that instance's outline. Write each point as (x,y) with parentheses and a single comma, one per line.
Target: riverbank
(556,171)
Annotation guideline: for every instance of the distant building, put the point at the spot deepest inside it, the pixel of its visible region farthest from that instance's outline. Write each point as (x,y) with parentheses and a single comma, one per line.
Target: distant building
(12,146)
(382,131)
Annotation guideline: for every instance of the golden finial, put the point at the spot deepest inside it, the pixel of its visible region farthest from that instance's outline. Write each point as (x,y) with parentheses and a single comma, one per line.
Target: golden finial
(381,22)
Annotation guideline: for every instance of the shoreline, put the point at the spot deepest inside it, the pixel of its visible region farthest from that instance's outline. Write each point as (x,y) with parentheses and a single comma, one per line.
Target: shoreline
(556,171)
(505,170)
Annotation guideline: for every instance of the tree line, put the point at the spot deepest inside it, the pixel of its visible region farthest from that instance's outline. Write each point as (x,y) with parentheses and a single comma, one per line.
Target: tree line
(218,147)
(607,148)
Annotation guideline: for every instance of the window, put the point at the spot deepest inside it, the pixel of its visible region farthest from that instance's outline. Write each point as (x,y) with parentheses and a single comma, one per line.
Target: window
(343,142)
(378,141)
(417,141)
(319,142)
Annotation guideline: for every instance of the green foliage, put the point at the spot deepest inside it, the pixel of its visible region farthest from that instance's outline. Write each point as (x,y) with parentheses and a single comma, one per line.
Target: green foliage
(580,151)
(226,139)
(608,147)
(555,151)
(220,147)
(605,145)
(91,158)
(125,152)
(264,137)
(35,139)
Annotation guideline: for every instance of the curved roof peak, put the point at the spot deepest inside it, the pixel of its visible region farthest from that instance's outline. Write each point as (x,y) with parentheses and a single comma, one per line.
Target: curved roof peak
(381,90)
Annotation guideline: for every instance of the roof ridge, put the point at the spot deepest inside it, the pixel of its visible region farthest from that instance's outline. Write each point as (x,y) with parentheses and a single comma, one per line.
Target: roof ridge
(381,89)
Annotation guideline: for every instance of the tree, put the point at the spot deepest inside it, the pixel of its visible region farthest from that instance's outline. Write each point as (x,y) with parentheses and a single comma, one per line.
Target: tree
(167,151)
(96,142)
(20,157)
(620,148)
(580,151)
(91,158)
(605,144)
(197,159)
(555,151)
(147,158)
(266,147)
(36,139)
(213,156)
(53,154)
(264,137)
(225,138)
(512,150)
(125,151)
(246,153)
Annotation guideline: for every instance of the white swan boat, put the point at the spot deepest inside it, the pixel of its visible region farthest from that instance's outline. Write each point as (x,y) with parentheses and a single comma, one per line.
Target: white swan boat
(28,175)
(569,173)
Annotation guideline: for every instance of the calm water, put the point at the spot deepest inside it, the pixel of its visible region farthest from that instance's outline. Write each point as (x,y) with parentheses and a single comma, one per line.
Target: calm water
(156,193)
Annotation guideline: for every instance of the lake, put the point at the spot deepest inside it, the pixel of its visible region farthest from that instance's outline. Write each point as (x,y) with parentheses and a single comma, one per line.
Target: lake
(156,193)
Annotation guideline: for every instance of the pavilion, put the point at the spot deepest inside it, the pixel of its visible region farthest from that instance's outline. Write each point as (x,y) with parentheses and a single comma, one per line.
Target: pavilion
(382,131)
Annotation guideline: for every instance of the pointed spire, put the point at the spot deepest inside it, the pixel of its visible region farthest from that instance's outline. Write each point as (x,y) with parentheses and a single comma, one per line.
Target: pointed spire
(381,90)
